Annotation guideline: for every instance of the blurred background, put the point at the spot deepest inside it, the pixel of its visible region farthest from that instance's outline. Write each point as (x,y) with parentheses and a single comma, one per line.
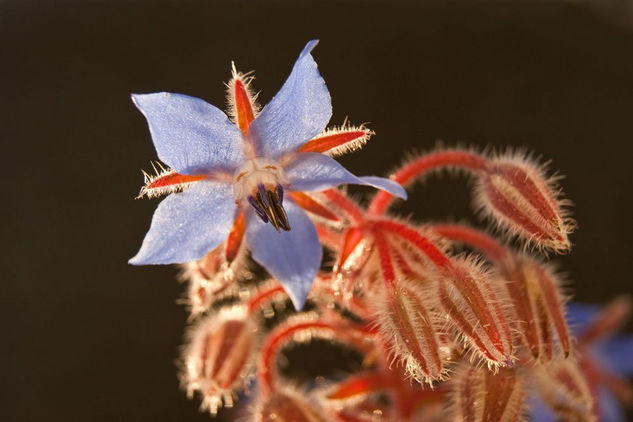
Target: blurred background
(87,337)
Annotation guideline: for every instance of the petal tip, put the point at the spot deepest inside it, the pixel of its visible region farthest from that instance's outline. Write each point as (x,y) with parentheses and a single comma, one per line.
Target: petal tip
(309,47)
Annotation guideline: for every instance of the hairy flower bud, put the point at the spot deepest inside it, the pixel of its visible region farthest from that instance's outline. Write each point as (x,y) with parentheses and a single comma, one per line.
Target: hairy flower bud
(218,356)
(516,194)
(473,306)
(482,395)
(411,330)
(288,406)
(538,304)
(565,390)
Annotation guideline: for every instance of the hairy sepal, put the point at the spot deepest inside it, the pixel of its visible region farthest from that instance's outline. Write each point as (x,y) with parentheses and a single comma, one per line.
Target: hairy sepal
(219,356)
(338,140)
(411,330)
(473,306)
(165,181)
(515,193)
(565,390)
(535,291)
(479,395)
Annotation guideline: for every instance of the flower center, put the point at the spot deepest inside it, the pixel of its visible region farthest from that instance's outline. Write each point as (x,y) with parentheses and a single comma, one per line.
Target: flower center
(259,181)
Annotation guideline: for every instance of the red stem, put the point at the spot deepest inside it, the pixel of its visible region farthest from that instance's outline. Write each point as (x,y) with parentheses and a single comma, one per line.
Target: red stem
(386,265)
(474,238)
(416,239)
(346,205)
(263,295)
(266,375)
(418,167)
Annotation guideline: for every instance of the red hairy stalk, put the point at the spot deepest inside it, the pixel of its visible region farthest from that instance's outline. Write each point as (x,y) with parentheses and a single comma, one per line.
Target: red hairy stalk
(416,168)
(346,205)
(416,239)
(473,238)
(265,295)
(351,335)
(386,264)
(352,238)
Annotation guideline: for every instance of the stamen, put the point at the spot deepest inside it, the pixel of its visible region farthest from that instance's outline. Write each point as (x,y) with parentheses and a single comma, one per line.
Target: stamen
(268,205)
(258,209)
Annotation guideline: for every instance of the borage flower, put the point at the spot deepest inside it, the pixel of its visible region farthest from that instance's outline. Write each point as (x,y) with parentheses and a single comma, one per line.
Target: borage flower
(234,175)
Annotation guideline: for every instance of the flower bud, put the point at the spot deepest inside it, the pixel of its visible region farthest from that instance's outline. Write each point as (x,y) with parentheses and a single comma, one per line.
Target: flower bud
(482,395)
(288,407)
(472,305)
(538,303)
(515,193)
(218,356)
(565,390)
(411,330)
(209,279)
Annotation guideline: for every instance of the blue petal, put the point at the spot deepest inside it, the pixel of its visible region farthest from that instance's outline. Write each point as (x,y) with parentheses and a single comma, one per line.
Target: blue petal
(292,257)
(188,225)
(299,112)
(311,171)
(610,408)
(616,354)
(539,411)
(579,315)
(190,136)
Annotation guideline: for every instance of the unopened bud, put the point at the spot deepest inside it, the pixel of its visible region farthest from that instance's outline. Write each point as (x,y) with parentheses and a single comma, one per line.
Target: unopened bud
(565,390)
(209,279)
(219,356)
(482,395)
(516,194)
(411,330)
(538,303)
(473,306)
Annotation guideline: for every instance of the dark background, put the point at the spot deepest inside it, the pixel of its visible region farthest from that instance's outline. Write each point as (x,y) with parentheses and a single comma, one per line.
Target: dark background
(87,337)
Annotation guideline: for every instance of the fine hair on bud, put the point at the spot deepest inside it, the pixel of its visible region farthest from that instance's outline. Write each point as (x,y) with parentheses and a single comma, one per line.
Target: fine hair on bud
(478,394)
(476,308)
(409,326)
(211,278)
(515,193)
(218,356)
(564,388)
(535,290)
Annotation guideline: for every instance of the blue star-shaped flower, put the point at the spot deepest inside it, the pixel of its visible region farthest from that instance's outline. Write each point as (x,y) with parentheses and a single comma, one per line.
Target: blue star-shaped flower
(246,167)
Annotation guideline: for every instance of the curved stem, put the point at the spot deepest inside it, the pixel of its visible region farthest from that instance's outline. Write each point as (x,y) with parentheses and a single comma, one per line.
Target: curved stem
(352,211)
(262,296)
(416,239)
(267,375)
(474,238)
(408,173)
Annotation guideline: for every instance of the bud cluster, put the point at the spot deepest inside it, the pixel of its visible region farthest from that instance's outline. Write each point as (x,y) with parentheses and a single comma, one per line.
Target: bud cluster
(443,334)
